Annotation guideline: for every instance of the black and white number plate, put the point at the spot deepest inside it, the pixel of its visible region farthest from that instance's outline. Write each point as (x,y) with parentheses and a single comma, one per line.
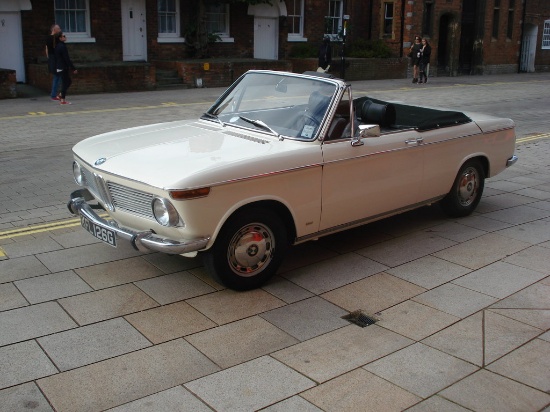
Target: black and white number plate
(102,233)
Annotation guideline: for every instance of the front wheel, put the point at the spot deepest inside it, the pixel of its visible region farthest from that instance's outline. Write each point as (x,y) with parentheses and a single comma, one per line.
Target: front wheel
(466,191)
(248,250)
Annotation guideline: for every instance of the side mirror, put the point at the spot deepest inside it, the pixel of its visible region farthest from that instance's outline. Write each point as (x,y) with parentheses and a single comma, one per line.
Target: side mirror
(369,130)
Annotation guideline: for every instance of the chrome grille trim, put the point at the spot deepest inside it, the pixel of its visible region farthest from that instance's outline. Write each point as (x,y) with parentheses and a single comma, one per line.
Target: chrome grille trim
(131,200)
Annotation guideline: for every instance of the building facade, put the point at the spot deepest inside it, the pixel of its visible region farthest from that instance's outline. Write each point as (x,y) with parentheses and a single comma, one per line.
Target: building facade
(467,36)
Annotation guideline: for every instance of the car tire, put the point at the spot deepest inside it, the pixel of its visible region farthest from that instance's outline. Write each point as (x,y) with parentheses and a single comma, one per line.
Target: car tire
(248,250)
(466,191)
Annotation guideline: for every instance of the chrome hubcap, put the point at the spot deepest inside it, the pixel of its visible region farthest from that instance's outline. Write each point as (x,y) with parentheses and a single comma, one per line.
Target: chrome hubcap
(251,249)
(468,186)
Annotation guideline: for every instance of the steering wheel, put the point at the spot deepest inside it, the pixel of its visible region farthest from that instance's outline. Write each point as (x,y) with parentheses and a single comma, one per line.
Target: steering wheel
(312,119)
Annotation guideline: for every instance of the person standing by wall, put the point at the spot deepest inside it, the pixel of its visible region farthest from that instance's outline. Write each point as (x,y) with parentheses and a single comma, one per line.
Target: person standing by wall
(50,54)
(415,56)
(425,53)
(64,65)
(325,55)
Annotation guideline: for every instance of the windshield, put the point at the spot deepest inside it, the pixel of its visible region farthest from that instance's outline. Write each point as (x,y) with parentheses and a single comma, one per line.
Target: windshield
(277,104)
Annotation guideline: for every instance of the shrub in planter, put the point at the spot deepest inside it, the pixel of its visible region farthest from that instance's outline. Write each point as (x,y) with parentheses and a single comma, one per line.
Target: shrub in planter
(368,49)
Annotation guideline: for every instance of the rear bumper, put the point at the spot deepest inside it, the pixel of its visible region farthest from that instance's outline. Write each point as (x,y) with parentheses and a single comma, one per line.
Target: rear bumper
(140,240)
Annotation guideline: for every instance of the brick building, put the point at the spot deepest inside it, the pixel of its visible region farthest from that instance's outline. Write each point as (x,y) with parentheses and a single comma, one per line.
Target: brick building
(126,44)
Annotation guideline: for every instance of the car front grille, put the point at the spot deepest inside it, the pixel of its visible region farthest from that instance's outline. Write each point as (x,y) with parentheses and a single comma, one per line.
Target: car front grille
(116,196)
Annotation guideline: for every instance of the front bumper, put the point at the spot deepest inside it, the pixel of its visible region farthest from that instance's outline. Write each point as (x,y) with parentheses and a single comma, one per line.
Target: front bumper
(143,241)
(511,161)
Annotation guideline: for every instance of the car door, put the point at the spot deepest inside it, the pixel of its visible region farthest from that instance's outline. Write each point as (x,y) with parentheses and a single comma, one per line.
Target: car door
(382,175)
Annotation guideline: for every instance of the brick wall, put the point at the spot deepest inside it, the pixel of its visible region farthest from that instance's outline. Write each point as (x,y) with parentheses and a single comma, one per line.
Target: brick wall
(99,78)
(7,84)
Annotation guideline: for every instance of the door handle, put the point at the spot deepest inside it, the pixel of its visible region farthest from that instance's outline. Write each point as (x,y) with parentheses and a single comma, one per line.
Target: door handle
(416,141)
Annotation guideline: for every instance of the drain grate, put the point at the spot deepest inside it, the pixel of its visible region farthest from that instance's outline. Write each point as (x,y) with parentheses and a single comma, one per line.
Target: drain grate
(360,318)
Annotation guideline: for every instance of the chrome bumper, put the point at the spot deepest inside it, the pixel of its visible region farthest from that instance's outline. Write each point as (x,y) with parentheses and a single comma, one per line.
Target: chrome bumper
(142,241)
(511,161)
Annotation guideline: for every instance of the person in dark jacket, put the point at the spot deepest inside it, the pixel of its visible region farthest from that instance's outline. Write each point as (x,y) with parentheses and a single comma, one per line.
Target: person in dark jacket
(415,56)
(325,55)
(425,53)
(50,54)
(64,65)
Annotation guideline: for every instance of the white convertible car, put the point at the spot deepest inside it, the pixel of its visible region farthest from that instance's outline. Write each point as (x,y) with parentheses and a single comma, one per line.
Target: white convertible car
(280,159)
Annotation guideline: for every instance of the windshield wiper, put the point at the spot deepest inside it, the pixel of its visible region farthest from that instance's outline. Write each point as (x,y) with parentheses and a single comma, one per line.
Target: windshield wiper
(261,124)
(213,116)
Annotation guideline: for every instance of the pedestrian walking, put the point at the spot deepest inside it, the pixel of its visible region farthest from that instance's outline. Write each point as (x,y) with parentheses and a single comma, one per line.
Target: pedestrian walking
(50,54)
(325,55)
(425,53)
(64,65)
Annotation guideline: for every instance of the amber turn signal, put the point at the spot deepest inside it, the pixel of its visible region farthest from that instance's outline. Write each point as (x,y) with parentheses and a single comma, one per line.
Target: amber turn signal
(189,194)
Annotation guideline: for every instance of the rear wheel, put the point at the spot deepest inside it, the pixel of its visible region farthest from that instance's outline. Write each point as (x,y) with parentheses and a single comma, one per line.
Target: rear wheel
(466,191)
(248,250)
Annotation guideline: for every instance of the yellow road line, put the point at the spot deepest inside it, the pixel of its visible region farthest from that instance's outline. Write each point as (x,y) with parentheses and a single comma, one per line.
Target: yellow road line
(533,137)
(46,227)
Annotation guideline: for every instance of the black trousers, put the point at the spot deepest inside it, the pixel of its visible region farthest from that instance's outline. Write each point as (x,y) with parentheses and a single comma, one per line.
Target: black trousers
(66,82)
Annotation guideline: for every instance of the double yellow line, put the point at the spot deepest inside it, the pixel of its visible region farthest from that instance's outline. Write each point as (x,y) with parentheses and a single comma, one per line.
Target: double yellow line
(533,137)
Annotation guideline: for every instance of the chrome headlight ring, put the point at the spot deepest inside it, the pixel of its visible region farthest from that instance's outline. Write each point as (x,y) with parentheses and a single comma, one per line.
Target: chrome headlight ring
(165,213)
(77,174)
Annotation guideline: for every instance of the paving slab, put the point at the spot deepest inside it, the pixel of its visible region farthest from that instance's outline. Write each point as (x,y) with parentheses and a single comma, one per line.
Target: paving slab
(177,399)
(174,287)
(534,258)
(532,232)
(106,304)
(172,263)
(528,364)
(23,397)
(50,287)
(360,390)
(170,322)
(249,386)
(31,247)
(33,321)
(328,356)
(539,318)
(428,271)
(455,300)
(228,305)
(296,403)
(285,290)
(21,268)
(307,318)
(334,272)
(10,297)
(23,362)
(499,279)
(420,369)
(373,294)
(241,341)
(519,214)
(486,391)
(93,343)
(116,273)
(437,404)
(120,380)
(533,297)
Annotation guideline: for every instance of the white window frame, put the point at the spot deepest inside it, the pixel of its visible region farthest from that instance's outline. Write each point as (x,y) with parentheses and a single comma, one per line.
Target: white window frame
(340,7)
(76,37)
(546,35)
(224,36)
(386,18)
(174,37)
(299,36)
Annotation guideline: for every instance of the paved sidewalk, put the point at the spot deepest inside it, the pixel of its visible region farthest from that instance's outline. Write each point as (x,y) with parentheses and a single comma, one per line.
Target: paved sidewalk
(463,305)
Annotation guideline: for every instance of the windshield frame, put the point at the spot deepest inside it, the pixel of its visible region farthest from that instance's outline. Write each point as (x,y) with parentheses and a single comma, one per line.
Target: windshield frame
(284,88)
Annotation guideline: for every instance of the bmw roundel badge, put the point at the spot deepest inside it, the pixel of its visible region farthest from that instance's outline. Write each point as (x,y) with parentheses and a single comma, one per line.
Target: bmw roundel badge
(100,161)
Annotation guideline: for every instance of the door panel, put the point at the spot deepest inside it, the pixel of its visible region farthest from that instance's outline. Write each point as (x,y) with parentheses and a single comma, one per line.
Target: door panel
(11,56)
(266,38)
(134,35)
(382,175)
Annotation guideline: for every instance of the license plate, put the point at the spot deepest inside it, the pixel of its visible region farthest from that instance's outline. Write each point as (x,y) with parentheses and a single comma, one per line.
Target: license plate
(102,233)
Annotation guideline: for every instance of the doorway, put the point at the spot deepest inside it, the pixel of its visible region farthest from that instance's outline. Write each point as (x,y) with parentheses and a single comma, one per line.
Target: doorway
(528,49)
(134,34)
(12,44)
(266,38)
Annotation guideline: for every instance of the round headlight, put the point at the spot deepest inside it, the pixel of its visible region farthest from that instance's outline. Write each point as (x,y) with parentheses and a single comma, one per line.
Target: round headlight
(77,173)
(165,213)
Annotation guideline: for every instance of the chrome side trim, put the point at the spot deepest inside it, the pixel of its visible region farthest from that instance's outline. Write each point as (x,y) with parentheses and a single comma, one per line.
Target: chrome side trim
(142,241)
(364,221)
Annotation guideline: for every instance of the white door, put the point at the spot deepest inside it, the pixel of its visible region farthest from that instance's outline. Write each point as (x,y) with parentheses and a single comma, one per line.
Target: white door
(11,55)
(134,35)
(266,38)
(528,49)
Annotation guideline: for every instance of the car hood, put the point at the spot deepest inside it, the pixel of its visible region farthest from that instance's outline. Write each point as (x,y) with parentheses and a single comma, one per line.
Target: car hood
(187,154)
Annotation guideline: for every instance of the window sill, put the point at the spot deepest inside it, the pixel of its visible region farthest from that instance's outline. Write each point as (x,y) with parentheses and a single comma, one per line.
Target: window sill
(71,39)
(170,40)
(296,39)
